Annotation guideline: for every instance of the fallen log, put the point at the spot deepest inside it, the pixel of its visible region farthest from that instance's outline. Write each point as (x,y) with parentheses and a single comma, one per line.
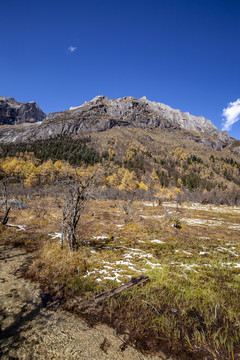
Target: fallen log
(94,304)
(98,299)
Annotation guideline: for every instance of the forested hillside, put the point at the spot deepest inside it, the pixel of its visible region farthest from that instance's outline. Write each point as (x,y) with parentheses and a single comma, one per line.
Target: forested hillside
(163,164)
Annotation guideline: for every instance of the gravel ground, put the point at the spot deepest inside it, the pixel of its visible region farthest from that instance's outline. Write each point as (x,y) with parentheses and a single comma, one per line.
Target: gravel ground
(30,330)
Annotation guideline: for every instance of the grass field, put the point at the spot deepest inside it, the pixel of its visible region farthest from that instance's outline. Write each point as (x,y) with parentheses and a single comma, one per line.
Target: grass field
(191,306)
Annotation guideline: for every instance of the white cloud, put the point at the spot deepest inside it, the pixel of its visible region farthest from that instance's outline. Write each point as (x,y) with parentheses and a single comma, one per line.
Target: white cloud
(72,49)
(231,114)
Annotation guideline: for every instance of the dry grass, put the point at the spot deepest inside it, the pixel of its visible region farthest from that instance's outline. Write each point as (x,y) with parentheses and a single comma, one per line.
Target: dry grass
(190,308)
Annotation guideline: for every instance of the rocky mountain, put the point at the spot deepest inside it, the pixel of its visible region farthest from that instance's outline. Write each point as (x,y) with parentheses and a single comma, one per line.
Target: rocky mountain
(155,143)
(101,114)
(13,112)
(147,114)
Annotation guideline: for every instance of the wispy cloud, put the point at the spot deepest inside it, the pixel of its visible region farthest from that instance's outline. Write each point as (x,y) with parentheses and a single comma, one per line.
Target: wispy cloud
(71,49)
(231,115)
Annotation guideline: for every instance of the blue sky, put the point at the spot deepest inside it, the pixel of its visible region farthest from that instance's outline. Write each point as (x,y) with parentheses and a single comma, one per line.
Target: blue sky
(184,53)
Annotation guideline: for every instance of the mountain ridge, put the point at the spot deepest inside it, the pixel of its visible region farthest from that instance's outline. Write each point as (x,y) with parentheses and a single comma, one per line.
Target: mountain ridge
(164,109)
(102,113)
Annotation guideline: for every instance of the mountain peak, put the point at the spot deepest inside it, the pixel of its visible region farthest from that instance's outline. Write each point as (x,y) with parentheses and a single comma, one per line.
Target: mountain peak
(13,112)
(102,114)
(143,98)
(98,98)
(129,108)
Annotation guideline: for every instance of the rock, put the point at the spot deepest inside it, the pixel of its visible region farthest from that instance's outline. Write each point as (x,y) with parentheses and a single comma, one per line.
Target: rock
(143,113)
(102,113)
(13,112)
(225,138)
(216,145)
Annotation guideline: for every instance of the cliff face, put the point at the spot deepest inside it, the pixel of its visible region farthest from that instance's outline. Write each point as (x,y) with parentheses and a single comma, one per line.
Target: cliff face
(13,112)
(145,113)
(102,113)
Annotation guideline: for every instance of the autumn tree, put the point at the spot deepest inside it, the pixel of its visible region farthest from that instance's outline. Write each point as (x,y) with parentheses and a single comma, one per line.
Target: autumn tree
(129,180)
(168,194)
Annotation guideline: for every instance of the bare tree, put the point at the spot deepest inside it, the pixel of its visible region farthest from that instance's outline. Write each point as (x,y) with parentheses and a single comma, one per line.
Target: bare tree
(128,210)
(5,183)
(76,196)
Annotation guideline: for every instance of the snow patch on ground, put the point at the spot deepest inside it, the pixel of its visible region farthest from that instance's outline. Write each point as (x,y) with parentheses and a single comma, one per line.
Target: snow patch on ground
(100,237)
(152,216)
(223,250)
(156,241)
(234,227)
(56,235)
(183,251)
(235,265)
(134,260)
(19,227)
(202,222)
(207,207)
(189,267)
(149,204)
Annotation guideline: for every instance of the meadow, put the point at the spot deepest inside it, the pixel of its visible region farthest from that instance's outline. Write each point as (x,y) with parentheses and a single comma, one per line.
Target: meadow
(190,307)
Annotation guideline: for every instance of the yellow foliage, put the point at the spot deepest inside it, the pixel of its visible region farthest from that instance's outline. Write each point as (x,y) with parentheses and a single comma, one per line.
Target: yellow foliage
(111,153)
(179,154)
(31,179)
(154,180)
(46,171)
(133,150)
(112,180)
(168,194)
(142,186)
(14,166)
(180,183)
(121,172)
(129,154)
(59,166)
(129,181)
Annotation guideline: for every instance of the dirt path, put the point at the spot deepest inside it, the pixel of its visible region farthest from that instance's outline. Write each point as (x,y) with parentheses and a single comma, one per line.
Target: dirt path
(29,329)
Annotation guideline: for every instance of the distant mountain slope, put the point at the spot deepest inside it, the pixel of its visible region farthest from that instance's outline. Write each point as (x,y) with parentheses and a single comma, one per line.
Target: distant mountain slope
(156,146)
(135,158)
(13,112)
(101,114)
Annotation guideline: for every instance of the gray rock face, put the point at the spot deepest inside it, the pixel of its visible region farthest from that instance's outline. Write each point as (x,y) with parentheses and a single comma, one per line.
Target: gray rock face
(13,112)
(145,113)
(102,113)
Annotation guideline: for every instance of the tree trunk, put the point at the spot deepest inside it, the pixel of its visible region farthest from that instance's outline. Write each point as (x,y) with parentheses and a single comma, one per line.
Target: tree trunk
(5,219)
